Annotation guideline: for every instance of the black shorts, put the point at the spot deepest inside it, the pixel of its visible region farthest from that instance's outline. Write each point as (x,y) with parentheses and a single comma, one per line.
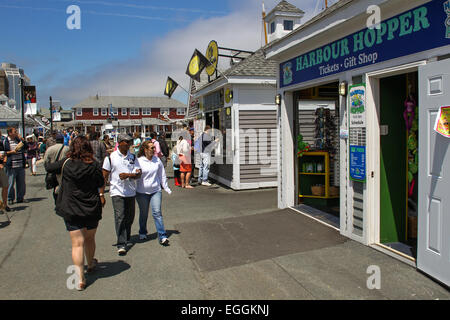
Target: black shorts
(78,225)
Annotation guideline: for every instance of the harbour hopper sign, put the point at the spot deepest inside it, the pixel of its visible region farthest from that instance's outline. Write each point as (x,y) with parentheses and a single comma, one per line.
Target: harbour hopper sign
(422,28)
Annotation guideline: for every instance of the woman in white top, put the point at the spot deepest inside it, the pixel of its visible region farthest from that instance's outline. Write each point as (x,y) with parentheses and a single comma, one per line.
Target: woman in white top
(184,153)
(148,191)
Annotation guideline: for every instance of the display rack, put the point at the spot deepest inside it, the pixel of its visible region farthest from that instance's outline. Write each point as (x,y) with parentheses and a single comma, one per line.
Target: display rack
(308,179)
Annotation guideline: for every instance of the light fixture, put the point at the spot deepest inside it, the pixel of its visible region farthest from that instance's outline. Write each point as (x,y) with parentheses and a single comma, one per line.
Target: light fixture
(278,99)
(343,88)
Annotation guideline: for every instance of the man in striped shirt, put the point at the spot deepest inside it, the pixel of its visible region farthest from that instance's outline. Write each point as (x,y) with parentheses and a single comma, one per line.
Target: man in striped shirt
(15,147)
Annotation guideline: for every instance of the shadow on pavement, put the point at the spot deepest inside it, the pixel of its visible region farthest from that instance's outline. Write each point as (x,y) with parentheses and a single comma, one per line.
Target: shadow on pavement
(154,236)
(4,224)
(19,208)
(107,269)
(36,199)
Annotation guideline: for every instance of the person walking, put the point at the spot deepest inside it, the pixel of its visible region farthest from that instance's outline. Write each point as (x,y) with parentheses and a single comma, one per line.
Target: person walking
(123,170)
(158,152)
(32,153)
(205,141)
(108,146)
(80,202)
(184,153)
(15,147)
(136,143)
(98,147)
(3,178)
(66,138)
(53,154)
(176,167)
(191,144)
(149,193)
(164,148)
(51,140)
(43,147)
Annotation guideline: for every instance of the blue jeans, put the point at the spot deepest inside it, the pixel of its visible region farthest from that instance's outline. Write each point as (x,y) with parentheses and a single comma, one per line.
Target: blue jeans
(145,201)
(203,172)
(17,176)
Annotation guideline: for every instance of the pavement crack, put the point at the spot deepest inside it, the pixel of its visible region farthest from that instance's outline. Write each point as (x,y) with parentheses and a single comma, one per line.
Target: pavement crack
(293,278)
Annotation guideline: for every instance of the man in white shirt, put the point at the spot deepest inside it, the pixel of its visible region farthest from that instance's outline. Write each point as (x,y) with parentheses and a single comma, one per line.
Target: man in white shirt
(124,169)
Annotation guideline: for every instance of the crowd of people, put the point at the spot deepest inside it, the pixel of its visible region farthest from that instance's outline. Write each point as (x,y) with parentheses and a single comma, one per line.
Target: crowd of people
(135,173)
(79,167)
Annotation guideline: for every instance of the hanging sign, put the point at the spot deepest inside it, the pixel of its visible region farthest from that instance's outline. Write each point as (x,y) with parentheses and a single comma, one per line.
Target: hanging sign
(212,54)
(420,29)
(196,65)
(358,163)
(171,85)
(29,93)
(442,122)
(357,105)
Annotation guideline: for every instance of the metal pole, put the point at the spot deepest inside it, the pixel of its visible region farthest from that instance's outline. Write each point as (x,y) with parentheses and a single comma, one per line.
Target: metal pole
(51,115)
(23,111)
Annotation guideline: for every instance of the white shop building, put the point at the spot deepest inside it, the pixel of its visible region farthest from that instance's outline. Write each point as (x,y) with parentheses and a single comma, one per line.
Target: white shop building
(366,101)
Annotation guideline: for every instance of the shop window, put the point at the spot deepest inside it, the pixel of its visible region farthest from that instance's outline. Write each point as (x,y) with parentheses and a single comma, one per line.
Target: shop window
(288,25)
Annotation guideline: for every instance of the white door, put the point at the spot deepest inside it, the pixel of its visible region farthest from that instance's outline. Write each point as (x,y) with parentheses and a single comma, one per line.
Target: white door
(433,252)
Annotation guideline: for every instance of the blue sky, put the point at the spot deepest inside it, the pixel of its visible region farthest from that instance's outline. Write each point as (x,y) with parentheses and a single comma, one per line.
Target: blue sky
(123,47)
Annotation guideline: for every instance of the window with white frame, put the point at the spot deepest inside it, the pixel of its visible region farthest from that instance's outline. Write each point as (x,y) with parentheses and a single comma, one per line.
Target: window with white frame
(166,110)
(181,112)
(123,111)
(134,111)
(95,111)
(115,111)
(104,112)
(146,111)
(79,112)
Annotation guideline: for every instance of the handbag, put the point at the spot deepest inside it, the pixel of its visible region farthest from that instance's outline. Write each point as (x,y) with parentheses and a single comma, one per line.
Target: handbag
(51,181)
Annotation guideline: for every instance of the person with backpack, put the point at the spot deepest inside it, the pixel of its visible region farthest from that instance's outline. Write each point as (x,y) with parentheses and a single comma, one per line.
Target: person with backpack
(53,154)
(98,147)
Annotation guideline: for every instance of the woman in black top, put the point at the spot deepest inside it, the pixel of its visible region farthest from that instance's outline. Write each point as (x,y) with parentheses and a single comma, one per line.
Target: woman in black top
(80,201)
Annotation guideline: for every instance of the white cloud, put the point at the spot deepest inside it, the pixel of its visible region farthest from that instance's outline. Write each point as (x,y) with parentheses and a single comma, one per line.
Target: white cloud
(146,73)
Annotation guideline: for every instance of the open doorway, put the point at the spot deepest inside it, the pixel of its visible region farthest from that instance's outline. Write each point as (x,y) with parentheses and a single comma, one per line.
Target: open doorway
(399,161)
(318,151)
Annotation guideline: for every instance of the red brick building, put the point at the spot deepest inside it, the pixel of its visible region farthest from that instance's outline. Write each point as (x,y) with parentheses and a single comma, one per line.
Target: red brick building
(127,114)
